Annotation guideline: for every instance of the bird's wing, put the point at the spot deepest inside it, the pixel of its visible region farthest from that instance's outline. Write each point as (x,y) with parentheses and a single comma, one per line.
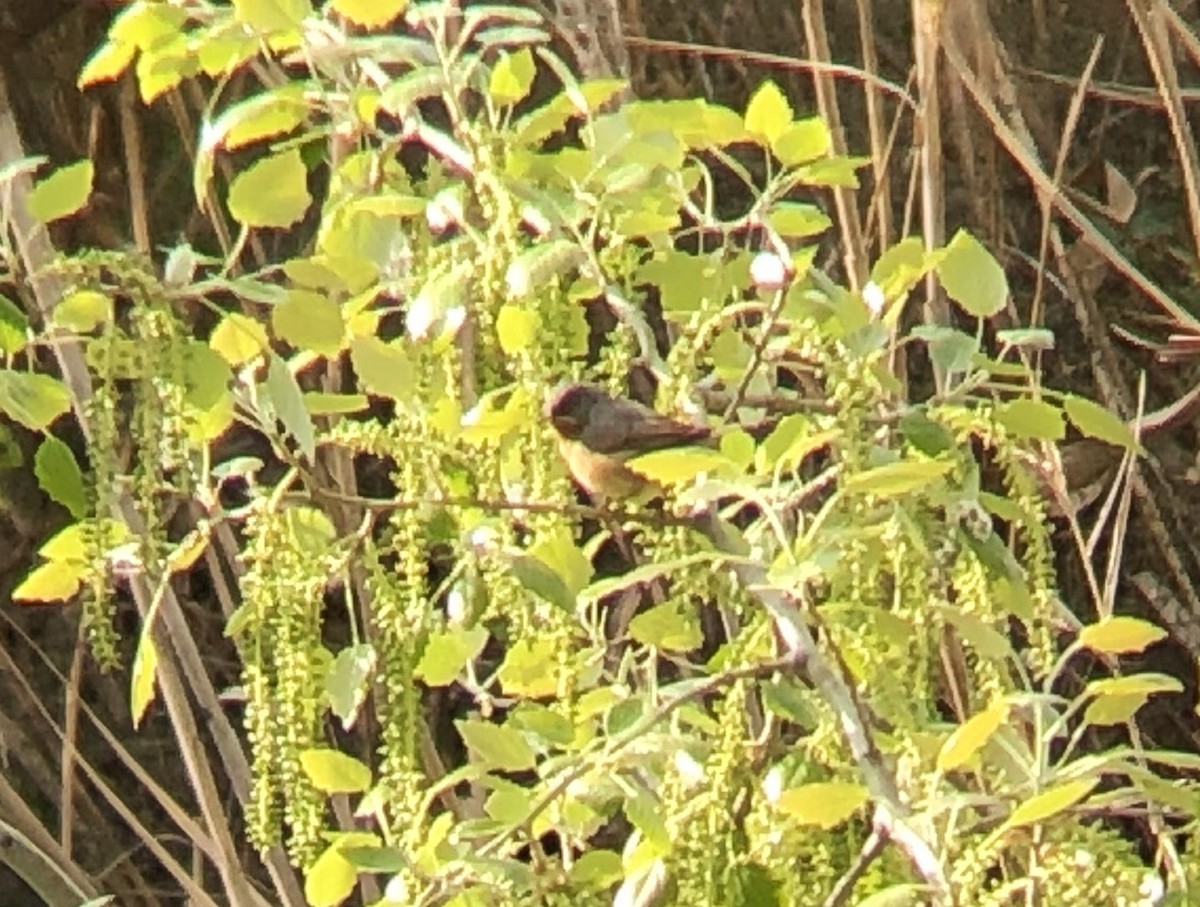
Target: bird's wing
(625,427)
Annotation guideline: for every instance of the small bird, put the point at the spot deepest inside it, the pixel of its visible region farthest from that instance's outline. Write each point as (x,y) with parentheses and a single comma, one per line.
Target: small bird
(598,433)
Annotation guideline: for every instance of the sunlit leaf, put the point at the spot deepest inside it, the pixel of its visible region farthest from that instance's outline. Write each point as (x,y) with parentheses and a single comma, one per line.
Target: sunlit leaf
(449,651)
(33,399)
(334,772)
(671,626)
(512,77)
(824,804)
(271,192)
(1049,803)
(802,141)
(346,682)
(496,746)
(238,338)
(55,581)
(768,114)
(972,277)
(141,685)
(970,737)
(897,479)
(310,321)
(1035,419)
(383,368)
(1120,636)
(369,14)
(63,192)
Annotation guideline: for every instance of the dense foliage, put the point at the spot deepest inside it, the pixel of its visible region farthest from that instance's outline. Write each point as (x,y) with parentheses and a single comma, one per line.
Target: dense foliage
(831,663)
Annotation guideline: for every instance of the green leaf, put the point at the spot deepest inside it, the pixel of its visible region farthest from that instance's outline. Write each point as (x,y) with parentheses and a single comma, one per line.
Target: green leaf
(14,327)
(802,141)
(34,400)
(644,574)
(496,746)
(517,328)
(1095,421)
(141,682)
(530,669)
(289,406)
(238,339)
(320,403)
(672,627)
(272,16)
(971,736)
(972,277)
(1032,419)
(797,219)
(333,772)
(59,475)
(905,894)
(556,549)
(926,435)
(646,813)
(597,870)
(768,114)
(52,582)
(369,14)
(897,479)
(262,116)
(346,683)
(983,638)
(205,375)
(949,350)
(1120,636)
(109,60)
(331,878)
(543,722)
(310,321)
(448,652)
(825,804)
(82,311)
(681,465)
(1049,803)
(383,369)
(63,192)
(512,77)
(271,192)
(542,580)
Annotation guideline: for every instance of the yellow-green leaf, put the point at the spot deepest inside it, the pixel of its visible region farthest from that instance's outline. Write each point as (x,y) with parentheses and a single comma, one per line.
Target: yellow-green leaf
(35,400)
(680,465)
(768,114)
(82,311)
(1120,635)
(141,685)
(238,339)
(59,475)
(1094,420)
(63,192)
(512,77)
(896,479)
(320,403)
(272,192)
(970,736)
(1032,419)
(333,772)
(383,368)
(110,60)
(369,13)
(1049,803)
(825,804)
(972,277)
(803,141)
(272,15)
(496,746)
(52,582)
(310,321)
(516,327)
(330,879)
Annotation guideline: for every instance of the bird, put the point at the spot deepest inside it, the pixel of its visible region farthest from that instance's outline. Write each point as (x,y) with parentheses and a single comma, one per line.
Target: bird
(598,433)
